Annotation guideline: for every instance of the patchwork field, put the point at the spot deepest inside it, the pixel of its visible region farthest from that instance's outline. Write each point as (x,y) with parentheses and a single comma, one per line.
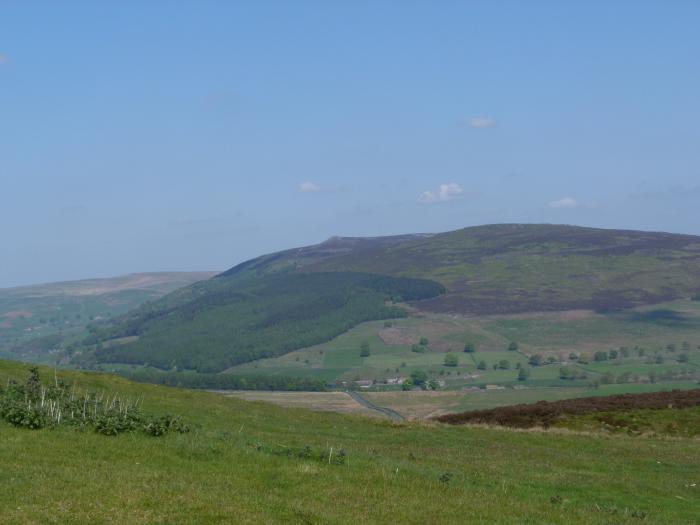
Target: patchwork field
(646,349)
(556,334)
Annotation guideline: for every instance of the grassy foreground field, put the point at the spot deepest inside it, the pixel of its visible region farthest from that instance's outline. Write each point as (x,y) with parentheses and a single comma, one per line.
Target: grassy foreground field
(246,462)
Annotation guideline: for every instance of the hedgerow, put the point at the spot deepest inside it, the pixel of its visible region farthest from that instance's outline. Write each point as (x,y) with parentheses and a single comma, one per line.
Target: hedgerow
(226,381)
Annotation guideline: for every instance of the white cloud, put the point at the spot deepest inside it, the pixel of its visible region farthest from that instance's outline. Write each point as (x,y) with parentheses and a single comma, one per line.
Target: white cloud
(4,59)
(444,193)
(309,187)
(482,122)
(565,202)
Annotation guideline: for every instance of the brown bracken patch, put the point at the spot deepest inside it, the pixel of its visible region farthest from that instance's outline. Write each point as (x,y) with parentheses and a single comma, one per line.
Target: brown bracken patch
(545,413)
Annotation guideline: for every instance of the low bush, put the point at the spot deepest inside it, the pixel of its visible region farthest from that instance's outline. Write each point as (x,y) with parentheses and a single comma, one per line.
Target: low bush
(34,406)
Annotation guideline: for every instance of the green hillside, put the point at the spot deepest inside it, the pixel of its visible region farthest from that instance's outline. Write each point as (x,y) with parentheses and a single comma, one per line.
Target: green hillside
(281,302)
(254,463)
(37,321)
(258,318)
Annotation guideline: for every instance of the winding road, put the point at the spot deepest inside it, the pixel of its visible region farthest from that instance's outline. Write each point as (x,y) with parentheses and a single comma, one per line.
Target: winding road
(393,414)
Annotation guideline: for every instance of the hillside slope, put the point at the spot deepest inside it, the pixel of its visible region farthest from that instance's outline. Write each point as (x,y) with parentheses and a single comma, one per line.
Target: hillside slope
(488,269)
(36,319)
(509,268)
(240,321)
(256,463)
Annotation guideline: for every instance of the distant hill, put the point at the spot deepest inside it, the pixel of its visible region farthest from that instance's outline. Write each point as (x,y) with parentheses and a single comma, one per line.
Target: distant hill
(36,319)
(509,268)
(155,282)
(280,302)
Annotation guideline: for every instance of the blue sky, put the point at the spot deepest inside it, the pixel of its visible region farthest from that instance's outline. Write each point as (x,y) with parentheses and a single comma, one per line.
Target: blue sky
(145,136)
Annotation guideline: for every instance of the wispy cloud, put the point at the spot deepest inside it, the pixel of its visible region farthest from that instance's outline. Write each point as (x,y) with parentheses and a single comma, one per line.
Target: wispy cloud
(309,187)
(4,59)
(563,203)
(482,122)
(444,193)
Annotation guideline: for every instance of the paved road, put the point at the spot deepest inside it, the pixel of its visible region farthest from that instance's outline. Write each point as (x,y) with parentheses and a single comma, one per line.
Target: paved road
(393,414)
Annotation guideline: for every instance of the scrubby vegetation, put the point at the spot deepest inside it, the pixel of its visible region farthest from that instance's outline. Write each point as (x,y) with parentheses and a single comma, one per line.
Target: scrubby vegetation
(545,413)
(34,405)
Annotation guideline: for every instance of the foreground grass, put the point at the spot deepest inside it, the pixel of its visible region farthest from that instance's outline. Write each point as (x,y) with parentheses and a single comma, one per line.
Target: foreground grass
(227,470)
(680,423)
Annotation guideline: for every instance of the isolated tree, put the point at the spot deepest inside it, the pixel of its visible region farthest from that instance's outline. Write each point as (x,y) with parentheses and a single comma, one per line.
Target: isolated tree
(481,365)
(613,354)
(419,377)
(600,356)
(418,349)
(513,346)
(424,341)
(535,360)
(433,384)
(573,357)
(564,373)
(451,360)
(407,384)
(469,347)
(504,364)
(364,349)
(523,374)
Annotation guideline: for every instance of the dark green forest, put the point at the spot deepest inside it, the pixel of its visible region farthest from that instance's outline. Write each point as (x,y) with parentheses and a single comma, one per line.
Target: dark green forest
(253,319)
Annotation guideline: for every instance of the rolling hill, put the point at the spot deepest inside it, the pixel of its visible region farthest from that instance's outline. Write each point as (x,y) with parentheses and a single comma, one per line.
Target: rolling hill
(36,319)
(280,302)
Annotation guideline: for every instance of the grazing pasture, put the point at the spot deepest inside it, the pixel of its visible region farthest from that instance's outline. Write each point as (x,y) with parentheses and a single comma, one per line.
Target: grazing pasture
(255,462)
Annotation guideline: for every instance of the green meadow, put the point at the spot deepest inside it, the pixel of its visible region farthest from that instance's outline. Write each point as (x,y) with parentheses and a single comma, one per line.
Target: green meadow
(247,462)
